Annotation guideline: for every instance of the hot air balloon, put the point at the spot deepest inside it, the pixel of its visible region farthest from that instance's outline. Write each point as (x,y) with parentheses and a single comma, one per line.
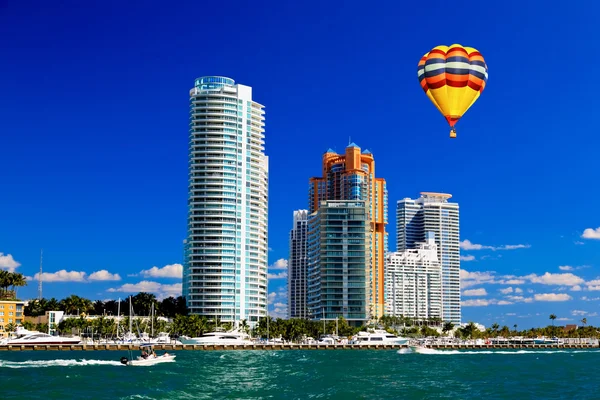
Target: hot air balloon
(453,78)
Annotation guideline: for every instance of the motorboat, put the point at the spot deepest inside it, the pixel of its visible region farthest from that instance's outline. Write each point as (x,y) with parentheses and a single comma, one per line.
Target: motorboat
(421,349)
(378,336)
(230,338)
(148,357)
(39,338)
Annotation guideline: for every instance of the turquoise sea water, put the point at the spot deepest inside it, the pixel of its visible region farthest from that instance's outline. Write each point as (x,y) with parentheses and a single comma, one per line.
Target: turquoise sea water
(313,374)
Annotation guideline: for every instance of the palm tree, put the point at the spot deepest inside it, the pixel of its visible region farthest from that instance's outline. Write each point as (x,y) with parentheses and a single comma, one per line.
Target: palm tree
(448,326)
(495,328)
(552,317)
(515,326)
(584,322)
(18,280)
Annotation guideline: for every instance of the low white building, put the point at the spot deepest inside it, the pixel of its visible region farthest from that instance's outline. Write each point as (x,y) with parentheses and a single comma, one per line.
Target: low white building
(413,282)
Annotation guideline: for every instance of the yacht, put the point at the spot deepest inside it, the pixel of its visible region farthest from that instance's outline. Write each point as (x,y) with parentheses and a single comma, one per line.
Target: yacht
(378,336)
(233,337)
(39,338)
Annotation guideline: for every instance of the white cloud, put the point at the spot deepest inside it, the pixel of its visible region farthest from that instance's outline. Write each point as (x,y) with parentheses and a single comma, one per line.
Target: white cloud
(467,258)
(504,303)
(8,262)
(565,268)
(578,243)
(566,279)
(507,290)
(552,297)
(511,314)
(280,264)
(159,289)
(564,319)
(475,303)
(591,233)
(61,276)
(271,297)
(475,292)
(576,288)
(594,314)
(468,245)
(518,290)
(280,305)
(281,275)
(103,275)
(279,312)
(168,271)
(585,298)
(578,312)
(520,299)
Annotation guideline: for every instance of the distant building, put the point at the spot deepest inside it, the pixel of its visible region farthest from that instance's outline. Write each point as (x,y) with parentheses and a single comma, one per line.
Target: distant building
(432,212)
(339,265)
(350,177)
(413,286)
(297,266)
(225,259)
(11,313)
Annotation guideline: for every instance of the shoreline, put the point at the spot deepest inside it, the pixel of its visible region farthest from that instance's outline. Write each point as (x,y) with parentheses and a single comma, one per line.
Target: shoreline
(188,347)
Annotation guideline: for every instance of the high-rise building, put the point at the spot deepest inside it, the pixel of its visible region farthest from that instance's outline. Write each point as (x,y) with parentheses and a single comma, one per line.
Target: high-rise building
(432,212)
(297,266)
(351,177)
(339,267)
(225,271)
(413,282)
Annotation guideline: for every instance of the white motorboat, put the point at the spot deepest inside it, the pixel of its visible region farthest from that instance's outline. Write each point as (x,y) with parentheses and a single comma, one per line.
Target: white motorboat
(230,338)
(378,336)
(148,357)
(422,349)
(39,338)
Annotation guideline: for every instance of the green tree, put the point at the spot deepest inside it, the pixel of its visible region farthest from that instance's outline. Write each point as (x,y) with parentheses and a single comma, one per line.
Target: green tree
(448,326)
(552,317)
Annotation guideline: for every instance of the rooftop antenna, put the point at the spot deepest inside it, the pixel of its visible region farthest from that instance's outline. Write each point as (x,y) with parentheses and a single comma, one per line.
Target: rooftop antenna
(40,275)
(349,140)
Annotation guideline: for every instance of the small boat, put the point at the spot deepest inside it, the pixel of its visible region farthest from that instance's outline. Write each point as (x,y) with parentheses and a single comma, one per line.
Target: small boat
(421,349)
(148,357)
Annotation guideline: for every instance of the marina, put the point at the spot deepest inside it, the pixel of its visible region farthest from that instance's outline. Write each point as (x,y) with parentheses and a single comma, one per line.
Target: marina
(292,346)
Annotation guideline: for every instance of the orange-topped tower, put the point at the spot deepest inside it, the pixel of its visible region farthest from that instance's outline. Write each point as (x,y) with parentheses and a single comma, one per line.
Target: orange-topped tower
(351,176)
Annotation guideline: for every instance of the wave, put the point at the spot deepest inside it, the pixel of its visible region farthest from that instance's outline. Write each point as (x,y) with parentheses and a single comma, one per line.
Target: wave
(458,352)
(55,363)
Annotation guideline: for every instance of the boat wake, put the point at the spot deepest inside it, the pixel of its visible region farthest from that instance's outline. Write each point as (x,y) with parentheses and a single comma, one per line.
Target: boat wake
(460,352)
(55,363)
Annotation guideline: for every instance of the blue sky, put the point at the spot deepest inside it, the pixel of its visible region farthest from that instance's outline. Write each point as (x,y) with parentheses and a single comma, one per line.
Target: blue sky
(94,119)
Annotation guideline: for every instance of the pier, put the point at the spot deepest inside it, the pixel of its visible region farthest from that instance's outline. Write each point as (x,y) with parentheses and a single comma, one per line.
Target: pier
(290,346)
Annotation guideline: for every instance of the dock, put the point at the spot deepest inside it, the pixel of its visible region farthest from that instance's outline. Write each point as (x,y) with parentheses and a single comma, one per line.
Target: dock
(288,346)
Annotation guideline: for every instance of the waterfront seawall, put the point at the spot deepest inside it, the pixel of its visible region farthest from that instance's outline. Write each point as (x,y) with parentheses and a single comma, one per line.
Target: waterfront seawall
(115,347)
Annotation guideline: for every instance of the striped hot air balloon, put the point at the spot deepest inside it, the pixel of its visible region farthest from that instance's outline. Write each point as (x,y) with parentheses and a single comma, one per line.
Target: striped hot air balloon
(453,78)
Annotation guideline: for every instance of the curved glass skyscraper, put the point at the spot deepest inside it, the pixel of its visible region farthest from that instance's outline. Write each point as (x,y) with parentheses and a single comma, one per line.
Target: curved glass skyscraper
(225,261)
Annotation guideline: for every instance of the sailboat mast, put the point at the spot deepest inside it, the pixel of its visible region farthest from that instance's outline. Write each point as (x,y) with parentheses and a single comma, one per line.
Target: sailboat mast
(118,316)
(152,316)
(130,320)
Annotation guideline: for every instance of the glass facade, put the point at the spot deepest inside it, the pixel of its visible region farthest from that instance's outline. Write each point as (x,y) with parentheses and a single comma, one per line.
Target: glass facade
(338,279)
(225,253)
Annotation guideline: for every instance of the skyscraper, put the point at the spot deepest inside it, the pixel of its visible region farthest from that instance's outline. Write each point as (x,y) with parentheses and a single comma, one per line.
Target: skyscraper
(297,266)
(432,212)
(346,177)
(339,262)
(413,282)
(225,266)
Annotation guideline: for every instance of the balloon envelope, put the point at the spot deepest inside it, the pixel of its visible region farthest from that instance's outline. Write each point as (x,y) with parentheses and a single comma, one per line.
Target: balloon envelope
(453,78)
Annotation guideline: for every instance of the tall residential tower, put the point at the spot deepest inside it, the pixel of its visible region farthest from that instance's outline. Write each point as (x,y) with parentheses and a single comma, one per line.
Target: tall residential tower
(297,266)
(225,271)
(432,212)
(347,184)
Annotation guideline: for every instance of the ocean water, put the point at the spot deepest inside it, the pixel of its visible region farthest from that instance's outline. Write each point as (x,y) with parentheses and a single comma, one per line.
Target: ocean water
(310,374)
